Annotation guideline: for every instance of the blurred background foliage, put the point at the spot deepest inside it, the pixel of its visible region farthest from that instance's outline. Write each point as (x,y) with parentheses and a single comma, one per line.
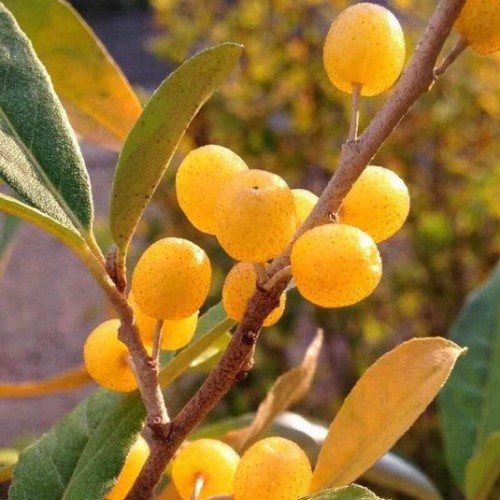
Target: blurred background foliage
(280,113)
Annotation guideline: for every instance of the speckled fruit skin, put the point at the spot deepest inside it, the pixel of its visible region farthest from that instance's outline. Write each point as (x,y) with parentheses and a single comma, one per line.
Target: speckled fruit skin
(272,469)
(134,462)
(378,203)
(335,265)
(239,286)
(105,358)
(255,216)
(365,45)
(479,24)
(199,179)
(304,201)
(171,279)
(214,460)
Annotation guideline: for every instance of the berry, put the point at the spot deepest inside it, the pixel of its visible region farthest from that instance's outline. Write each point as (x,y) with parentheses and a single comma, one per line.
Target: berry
(255,216)
(272,469)
(304,201)
(199,179)
(106,357)
(175,334)
(335,265)
(378,203)
(479,24)
(239,286)
(171,279)
(145,324)
(365,45)
(134,462)
(214,461)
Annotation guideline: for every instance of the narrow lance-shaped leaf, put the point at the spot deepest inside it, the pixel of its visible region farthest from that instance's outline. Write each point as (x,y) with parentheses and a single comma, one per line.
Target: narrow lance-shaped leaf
(383,404)
(79,457)
(8,234)
(353,492)
(39,156)
(155,136)
(102,106)
(483,470)
(472,391)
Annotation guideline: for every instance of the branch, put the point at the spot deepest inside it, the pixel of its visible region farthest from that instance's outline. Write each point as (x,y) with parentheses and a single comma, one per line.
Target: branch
(356,154)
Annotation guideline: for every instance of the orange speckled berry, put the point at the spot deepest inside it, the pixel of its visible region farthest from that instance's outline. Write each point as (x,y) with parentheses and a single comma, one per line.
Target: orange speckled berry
(255,216)
(304,201)
(335,265)
(171,279)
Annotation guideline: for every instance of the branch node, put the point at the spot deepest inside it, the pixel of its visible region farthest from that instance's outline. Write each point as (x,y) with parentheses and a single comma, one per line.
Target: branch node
(115,269)
(249,338)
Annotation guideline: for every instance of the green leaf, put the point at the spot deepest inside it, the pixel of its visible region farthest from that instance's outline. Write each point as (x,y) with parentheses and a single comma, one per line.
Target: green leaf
(64,234)
(483,469)
(352,492)
(155,136)
(40,157)
(469,404)
(80,456)
(102,106)
(7,238)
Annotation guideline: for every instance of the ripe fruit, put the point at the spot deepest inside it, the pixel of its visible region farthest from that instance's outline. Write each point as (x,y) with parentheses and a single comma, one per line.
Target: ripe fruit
(335,265)
(479,24)
(171,279)
(210,459)
(239,286)
(106,357)
(198,181)
(134,462)
(255,216)
(272,469)
(304,201)
(378,203)
(175,334)
(365,45)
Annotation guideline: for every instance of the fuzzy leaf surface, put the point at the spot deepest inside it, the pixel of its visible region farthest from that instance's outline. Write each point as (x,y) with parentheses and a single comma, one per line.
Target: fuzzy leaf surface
(79,457)
(384,403)
(352,492)
(154,138)
(101,105)
(470,403)
(40,159)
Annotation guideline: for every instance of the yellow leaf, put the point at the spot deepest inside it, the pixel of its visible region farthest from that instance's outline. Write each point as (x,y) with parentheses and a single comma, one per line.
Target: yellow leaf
(288,389)
(65,381)
(101,105)
(384,403)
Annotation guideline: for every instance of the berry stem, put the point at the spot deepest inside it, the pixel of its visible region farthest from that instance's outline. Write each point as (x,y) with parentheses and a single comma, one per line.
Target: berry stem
(157,341)
(198,486)
(356,94)
(447,61)
(281,275)
(260,271)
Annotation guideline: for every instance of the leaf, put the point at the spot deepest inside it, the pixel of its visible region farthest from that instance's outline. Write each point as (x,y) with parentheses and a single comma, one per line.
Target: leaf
(65,381)
(287,390)
(102,106)
(64,234)
(40,159)
(483,469)
(79,457)
(353,492)
(469,405)
(155,136)
(8,234)
(383,404)
(211,326)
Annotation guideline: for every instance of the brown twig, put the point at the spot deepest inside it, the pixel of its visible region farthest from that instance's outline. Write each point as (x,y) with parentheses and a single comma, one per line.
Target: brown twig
(457,49)
(416,80)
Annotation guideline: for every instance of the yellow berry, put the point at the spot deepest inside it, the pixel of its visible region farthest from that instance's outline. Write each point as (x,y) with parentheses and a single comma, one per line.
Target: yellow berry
(134,462)
(106,358)
(378,203)
(479,24)
(239,286)
(214,461)
(365,45)
(145,324)
(171,279)
(304,201)
(199,179)
(272,469)
(255,216)
(175,334)
(335,265)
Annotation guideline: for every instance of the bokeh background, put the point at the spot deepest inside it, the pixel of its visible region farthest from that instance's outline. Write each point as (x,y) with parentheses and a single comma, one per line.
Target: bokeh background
(279,113)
